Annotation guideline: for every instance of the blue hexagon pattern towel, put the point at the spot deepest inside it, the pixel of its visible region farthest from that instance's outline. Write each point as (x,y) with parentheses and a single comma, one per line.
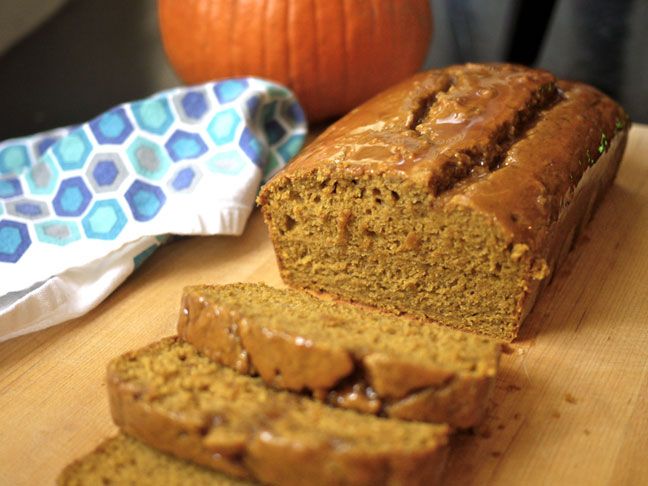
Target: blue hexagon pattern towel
(82,207)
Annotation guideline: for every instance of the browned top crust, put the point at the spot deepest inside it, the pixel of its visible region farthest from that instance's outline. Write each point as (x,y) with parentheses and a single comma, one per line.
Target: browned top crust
(506,140)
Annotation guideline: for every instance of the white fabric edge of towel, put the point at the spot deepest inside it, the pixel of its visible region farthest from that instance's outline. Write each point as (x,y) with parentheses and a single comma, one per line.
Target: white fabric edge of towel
(79,290)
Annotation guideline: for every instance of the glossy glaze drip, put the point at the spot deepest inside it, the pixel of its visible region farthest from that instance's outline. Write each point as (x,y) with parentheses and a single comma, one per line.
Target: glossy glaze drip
(201,314)
(357,396)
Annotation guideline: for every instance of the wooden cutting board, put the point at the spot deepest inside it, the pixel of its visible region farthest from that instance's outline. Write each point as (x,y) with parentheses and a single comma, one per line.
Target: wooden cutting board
(570,406)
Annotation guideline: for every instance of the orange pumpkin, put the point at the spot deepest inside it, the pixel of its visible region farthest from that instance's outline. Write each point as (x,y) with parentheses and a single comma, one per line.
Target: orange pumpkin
(333,54)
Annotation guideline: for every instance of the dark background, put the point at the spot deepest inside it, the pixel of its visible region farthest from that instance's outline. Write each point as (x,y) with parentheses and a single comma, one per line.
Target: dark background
(94,54)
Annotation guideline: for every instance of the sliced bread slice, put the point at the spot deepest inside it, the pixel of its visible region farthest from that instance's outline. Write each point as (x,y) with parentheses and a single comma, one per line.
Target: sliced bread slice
(346,355)
(123,461)
(177,400)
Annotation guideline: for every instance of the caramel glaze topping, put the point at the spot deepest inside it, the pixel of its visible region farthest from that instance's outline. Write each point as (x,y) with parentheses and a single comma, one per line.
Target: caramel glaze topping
(356,395)
(494,137)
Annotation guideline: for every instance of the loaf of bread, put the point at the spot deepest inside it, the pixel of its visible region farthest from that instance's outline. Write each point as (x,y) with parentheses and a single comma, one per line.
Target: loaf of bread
(124,461)
(176,400)
(453,196)
(345,355)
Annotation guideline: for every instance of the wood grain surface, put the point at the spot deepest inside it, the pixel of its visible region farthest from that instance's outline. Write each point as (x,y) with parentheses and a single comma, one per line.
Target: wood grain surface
(570,406)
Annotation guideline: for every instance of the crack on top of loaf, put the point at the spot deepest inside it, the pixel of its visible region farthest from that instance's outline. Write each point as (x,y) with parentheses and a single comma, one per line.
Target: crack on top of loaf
(423,98)
(470,128)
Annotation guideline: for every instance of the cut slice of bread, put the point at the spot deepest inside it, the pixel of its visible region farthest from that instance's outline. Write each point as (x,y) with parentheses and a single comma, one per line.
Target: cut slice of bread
(177,400)
(124,461)
(348,356)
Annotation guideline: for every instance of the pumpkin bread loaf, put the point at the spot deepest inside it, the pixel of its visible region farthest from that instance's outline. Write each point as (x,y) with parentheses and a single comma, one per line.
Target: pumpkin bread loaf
(345,355)
(124,461)
(175,399)
(453,196)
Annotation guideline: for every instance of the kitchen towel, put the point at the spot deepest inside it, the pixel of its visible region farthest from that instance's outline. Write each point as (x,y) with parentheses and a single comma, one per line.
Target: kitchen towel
(82,207)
